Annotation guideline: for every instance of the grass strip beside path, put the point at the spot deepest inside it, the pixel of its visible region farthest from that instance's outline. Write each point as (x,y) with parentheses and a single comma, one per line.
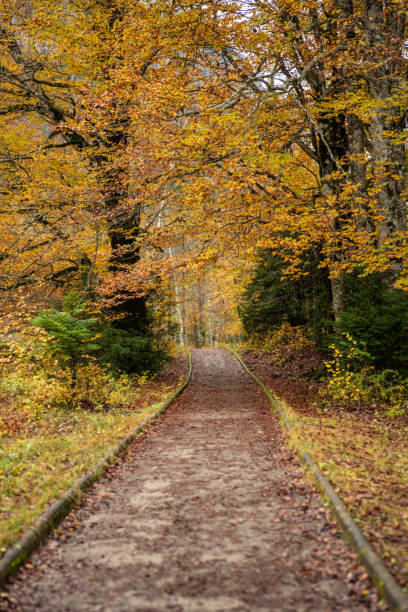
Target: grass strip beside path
(367,463)
(36,469)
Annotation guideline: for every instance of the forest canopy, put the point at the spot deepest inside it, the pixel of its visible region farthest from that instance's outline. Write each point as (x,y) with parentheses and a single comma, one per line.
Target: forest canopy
(145,146)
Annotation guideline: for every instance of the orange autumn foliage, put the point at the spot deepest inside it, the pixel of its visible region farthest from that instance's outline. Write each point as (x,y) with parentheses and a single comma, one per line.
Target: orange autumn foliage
(223,126)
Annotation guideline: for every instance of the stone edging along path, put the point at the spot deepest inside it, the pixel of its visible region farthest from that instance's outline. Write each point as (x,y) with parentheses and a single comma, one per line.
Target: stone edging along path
(385,582)
(52,517)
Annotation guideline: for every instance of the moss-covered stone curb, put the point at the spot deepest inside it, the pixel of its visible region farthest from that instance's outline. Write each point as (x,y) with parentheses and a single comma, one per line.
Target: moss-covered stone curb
(53,516)
(385,582)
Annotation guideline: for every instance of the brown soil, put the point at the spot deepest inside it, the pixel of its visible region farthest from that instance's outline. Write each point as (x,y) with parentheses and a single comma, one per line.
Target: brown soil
(209,510)
(289,378)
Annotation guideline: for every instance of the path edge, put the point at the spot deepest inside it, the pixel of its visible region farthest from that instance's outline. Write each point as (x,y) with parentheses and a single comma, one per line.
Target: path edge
(390,590)
(54,515)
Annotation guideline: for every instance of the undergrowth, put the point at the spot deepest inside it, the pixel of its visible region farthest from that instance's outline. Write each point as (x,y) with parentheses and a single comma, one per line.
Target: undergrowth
(280,343)
(354,382)
(349,380)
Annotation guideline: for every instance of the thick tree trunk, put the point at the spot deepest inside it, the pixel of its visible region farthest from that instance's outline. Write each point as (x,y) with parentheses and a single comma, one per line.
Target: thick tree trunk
(200,304)
(389,170)
(130,314)
(338,296)
(123,223)
(333,153)
(123,228)
(358,175)
(385,29)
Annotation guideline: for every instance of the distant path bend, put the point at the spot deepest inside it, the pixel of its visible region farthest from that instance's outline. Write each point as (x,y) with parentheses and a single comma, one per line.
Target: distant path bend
(209,512)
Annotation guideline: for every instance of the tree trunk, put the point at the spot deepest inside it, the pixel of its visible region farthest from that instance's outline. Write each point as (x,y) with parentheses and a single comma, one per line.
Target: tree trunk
(358,174)
(123,229)
(385,34)
(338,297)
(179,303)
(183,333)
(334,133)
(200,304)
(74,373)
(131,313)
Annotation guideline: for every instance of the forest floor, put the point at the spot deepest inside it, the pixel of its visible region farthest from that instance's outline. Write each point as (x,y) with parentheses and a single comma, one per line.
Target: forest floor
(362,451)
(40,460)
(208,510)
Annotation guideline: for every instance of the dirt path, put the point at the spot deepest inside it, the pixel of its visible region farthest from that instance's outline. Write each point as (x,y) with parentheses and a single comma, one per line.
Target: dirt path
(209,512)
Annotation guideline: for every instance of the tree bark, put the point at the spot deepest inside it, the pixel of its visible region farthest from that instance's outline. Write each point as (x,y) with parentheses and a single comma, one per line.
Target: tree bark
(385,29)
(200,327)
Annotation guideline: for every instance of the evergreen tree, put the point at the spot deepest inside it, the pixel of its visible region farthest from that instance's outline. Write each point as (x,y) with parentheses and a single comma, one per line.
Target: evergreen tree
(72,333)
(271,297)
(376,316)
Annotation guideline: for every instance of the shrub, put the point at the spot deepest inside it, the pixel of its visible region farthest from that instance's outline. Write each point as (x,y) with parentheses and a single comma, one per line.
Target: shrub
(352,381)
(77,339)
(281,343)
(347,360)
